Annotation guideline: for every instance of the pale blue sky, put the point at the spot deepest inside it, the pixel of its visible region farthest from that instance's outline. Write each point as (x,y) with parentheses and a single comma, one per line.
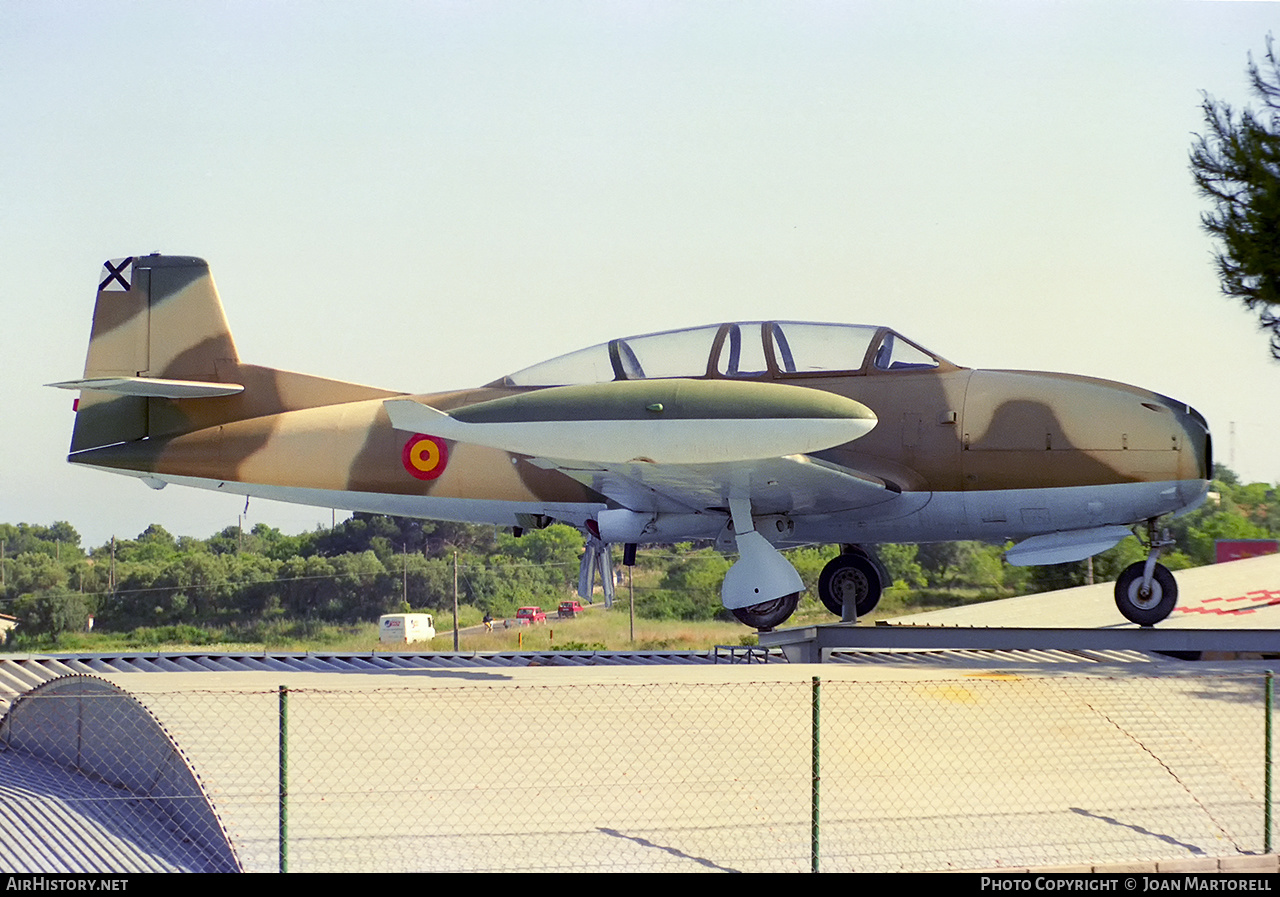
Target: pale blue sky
(425,195)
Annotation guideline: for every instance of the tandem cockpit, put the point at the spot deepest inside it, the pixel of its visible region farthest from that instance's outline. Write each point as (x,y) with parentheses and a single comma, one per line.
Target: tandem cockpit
(743,350)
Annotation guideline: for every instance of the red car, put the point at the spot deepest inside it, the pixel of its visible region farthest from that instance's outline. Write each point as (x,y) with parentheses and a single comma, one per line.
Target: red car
(570,609)
(527,615)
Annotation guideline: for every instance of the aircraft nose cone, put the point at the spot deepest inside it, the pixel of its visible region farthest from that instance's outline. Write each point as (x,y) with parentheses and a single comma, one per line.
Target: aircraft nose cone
(1197,442)
(1198,428)
(1198,439)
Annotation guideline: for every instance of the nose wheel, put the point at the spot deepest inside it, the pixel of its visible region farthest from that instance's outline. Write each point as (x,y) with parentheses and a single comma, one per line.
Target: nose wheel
(1146,591)
(1146,605)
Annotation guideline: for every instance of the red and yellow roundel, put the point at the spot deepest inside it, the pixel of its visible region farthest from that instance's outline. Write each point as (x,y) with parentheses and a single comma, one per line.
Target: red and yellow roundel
(425,456)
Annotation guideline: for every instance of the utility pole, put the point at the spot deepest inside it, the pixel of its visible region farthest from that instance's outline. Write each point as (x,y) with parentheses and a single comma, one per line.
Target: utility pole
(455,599)
(629,561)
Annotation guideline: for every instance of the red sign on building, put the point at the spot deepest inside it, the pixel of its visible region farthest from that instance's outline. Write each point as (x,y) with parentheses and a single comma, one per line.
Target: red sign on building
(1235,549)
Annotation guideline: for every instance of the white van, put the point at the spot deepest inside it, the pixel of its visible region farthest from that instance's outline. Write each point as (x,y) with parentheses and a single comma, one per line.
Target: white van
(406,628)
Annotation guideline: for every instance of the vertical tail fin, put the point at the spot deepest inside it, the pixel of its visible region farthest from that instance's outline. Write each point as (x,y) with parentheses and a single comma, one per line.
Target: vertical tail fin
(157,318)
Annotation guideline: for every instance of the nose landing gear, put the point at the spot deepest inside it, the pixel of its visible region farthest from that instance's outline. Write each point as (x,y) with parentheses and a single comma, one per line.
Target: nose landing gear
(1146,591)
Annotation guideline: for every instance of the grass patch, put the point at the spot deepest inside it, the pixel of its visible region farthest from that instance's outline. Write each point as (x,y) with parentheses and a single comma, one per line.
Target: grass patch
(600,630)
(596,630)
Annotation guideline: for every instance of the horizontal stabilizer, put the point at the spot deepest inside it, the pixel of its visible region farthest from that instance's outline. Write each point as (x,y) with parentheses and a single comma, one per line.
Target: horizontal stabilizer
(152,387)
(1063,548)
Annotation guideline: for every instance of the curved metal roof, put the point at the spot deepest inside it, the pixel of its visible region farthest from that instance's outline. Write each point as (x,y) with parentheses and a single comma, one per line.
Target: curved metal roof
(91,782)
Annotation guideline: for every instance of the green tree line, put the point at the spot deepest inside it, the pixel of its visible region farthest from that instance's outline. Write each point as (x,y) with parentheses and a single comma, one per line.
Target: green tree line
(366,566)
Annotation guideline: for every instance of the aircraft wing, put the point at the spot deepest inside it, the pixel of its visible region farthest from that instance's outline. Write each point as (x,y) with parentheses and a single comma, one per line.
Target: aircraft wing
(792,484)
(675,446)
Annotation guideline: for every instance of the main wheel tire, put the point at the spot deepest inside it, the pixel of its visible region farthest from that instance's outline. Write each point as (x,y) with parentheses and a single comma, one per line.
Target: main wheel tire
(870,555)
(855,573)
(768,614)
(1153,606)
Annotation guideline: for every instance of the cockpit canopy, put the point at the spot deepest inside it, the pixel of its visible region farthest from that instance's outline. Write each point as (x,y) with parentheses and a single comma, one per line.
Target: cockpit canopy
(750,350)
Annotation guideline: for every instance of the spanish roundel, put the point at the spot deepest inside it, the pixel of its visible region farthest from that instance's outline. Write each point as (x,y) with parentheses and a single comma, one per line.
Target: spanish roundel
(425,456)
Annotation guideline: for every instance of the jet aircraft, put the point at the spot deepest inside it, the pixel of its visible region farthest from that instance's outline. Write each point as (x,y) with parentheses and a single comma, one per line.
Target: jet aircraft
(759,435)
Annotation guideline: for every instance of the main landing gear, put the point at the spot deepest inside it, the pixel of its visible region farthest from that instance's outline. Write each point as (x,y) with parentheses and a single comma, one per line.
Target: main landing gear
(853,578)
(761,589)
(1146,591)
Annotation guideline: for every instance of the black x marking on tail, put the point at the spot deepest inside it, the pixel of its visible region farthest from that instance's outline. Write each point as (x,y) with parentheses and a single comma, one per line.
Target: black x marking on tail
(114,275)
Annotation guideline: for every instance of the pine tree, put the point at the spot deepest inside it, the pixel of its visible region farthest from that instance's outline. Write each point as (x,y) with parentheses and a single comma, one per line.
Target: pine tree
(1236,164)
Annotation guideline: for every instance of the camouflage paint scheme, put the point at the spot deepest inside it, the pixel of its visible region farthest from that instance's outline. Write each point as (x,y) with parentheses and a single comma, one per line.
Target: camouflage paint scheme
(956,453)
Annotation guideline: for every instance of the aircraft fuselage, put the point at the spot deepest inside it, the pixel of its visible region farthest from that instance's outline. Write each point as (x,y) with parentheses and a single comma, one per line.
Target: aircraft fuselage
(797,432)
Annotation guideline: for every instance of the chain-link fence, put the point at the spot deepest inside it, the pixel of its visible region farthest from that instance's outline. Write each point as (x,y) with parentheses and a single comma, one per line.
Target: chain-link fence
(966,773)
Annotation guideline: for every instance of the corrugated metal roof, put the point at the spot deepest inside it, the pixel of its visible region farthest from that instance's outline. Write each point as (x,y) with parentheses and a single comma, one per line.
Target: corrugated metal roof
(56,821)
(20,674)
(971,657)
(98,785)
